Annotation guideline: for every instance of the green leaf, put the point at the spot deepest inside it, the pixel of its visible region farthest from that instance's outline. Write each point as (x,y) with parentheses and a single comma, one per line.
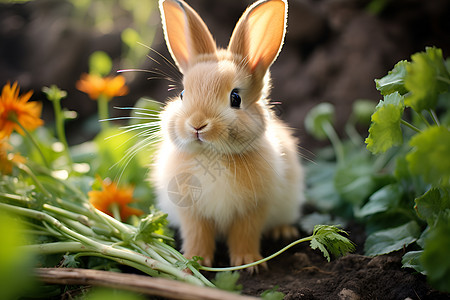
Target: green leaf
(228,281)
(430,156)
(431,204)
(423,79)
(435,256)
(317,117)
(100,63)
(111,294)
(153,222)
(411,259)
(328,239)
(70,261)
(354,181)
(272,294)
(322,191)
(387,197)
(394,81)
(393,239)
(385,131)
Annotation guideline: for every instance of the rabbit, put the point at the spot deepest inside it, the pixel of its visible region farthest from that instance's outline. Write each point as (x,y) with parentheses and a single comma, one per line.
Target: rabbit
(226,168)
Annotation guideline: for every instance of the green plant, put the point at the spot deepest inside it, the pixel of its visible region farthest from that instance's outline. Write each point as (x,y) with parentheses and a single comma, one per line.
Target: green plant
(421,86)
(402,193)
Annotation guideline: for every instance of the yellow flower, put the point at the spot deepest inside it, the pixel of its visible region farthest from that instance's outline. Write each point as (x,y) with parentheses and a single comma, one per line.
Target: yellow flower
(16,109)
(112,195)
(8,159)
(96,86)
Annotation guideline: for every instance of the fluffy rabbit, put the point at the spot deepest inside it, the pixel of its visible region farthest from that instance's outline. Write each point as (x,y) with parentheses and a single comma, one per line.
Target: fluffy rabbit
(227,167)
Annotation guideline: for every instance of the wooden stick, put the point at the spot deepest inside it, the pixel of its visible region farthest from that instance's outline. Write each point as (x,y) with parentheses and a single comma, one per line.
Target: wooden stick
(136,283)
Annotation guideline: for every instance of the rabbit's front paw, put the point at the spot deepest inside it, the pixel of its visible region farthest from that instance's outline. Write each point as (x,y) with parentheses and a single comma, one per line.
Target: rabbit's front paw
(243,259)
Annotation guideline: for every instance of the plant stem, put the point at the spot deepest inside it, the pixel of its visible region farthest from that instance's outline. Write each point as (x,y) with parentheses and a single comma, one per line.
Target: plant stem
(30,173)
(60,132)
(13,197)
(34,142)
(335,141)
(409,125)
(114,207)
(104,249)
(353,133)
(67,214)
(103,113)
(443,79)
(122,261)
(57,247)
(434,117)
(424,119)
(309,238)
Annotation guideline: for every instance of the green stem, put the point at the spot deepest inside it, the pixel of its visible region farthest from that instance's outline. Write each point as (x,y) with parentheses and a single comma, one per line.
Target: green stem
(13,197)
(43,171)
(59,121)
(101,248)
(434,117)
(68,214)
(409,125)
(309,238)
(353,133)
(103,113)
(116,225)
(180,257)
(145,249)
(122,261)
(115,209)
(335,141)
(34,142)
(424,119)
(57,247)
(30,173)
(443,79)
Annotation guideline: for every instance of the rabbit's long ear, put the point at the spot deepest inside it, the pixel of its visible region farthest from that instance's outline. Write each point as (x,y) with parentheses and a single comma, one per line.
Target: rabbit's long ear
(259,34)
(185,32)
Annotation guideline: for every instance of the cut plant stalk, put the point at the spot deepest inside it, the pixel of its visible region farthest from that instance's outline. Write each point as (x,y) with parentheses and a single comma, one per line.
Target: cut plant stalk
(147,263)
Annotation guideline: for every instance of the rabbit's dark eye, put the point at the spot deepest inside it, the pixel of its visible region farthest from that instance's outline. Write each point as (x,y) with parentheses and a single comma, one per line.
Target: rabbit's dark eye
(235,99)
(181,94)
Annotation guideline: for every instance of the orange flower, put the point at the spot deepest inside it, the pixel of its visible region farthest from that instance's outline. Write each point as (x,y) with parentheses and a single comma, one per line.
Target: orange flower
(16,109)
(112,195)
(96,86)
(8,159)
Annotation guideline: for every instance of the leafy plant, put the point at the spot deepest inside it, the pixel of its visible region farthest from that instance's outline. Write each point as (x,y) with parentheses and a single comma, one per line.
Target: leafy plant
(423,87)
(402,193)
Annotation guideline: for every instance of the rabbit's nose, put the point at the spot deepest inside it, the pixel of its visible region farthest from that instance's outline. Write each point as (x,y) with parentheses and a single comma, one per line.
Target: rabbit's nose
(199,128)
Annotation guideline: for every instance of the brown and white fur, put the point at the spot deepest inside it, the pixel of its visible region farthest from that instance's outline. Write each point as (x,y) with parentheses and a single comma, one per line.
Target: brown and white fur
(255,184)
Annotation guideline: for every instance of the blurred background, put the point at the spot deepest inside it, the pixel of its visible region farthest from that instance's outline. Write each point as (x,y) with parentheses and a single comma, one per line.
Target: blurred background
(333,51)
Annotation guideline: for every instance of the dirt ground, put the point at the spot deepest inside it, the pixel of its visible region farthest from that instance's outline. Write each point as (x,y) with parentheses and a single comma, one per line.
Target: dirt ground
(303,273)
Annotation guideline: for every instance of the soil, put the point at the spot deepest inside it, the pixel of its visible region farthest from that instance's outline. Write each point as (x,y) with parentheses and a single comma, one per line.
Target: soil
(303,273)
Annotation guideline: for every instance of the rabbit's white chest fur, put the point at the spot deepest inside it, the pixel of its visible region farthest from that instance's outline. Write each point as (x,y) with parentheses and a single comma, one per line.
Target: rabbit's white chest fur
(220,188)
